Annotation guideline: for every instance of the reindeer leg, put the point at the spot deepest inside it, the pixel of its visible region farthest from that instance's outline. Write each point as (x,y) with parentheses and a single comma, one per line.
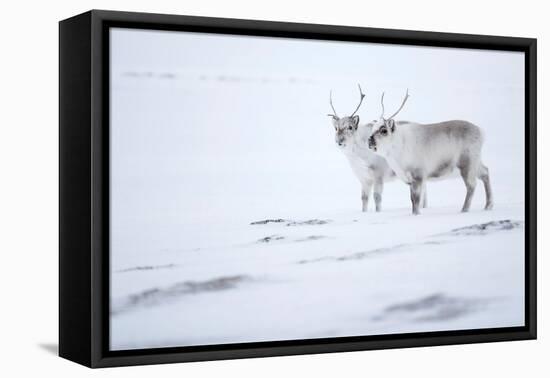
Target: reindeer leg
(378,189)
(469,176)
(484,177)
(416,194)
(424,195)
(365,193)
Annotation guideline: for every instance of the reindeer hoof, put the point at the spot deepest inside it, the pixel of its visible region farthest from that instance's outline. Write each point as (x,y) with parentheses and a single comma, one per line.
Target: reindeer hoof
(489,206)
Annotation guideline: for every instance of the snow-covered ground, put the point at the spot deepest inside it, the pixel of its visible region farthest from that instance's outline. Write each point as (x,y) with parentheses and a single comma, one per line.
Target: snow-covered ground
(234,218)
(356,274)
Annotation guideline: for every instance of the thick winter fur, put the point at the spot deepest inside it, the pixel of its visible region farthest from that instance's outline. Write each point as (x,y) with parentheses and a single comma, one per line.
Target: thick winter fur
(370,169)
(419,152)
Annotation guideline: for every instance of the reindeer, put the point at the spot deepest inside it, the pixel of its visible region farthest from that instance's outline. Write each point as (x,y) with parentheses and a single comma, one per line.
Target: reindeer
(419,152)
(371,169)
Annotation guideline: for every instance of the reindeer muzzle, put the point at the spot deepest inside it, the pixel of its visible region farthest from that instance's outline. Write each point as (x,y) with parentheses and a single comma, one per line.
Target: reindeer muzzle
(372,143)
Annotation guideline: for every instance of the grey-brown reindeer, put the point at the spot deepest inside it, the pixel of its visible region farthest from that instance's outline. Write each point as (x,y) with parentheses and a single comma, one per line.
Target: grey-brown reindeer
(371,170)
(420,152)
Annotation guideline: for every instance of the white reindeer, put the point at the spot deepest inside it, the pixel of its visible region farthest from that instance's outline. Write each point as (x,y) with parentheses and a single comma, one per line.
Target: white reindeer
(371,169)
(419,152)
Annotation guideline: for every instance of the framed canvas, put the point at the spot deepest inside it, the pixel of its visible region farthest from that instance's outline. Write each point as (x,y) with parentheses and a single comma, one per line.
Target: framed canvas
(236,188)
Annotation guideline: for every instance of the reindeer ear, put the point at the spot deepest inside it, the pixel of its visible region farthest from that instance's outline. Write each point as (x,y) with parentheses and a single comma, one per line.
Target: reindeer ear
(335,120)
(391,125)
(355,120)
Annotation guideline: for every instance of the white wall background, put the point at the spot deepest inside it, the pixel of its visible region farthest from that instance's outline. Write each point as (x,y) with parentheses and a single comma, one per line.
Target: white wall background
(28,194)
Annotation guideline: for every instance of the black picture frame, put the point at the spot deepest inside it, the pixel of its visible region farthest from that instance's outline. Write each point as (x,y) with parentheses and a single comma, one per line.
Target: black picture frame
(84,188)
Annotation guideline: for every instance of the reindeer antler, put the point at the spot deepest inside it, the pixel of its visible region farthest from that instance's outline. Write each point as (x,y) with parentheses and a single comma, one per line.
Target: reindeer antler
(402,104)
(382,102)
(398,110)
(360,102)
(332,106)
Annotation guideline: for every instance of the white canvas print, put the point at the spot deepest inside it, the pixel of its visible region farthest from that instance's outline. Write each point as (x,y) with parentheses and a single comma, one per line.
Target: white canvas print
(267,189)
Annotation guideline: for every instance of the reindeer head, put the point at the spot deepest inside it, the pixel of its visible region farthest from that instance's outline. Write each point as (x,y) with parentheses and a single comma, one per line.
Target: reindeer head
(345,127)
(384,129)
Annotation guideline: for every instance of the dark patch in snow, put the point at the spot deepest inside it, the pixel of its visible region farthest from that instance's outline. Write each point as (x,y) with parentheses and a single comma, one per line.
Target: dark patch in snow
(435,307)
(221,283)
(158,296)
(486,228)
(266,221)
(353,256)
(310,222)
(146,267)
(370,253)
(362,255)
(271,238)
(472,230)
(312,238)
(319,259)
(420,304)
